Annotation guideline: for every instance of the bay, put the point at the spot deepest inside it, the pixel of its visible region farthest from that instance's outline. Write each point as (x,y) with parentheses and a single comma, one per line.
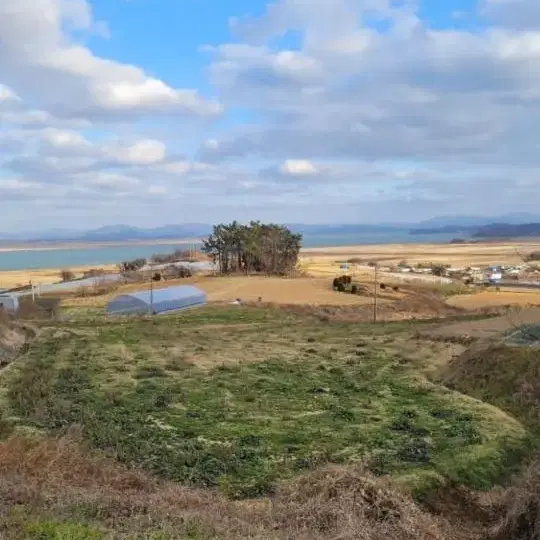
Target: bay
(67,257)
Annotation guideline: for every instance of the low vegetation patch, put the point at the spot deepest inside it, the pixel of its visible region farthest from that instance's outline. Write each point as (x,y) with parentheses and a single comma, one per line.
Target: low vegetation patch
(304,395)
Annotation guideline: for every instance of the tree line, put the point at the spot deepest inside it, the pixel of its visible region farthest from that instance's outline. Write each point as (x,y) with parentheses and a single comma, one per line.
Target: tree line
(263,248)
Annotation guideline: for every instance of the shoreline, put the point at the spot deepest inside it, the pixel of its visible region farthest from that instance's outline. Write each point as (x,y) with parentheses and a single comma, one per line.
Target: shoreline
(65,246)
(8,247)
(481,253)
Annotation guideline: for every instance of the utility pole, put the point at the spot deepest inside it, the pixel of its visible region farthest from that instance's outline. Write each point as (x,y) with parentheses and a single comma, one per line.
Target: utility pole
(375,292)
(151,291)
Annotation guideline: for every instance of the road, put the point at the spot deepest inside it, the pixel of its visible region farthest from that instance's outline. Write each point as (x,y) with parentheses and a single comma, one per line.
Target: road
(69,286)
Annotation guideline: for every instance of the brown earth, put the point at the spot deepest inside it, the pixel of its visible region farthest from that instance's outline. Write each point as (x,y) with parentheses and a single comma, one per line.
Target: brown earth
(309,291)
(480,254)
(486,328)
(496,298)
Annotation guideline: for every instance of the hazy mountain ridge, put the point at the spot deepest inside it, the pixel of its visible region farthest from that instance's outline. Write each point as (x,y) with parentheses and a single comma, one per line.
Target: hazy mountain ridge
(476,226)
(506,230)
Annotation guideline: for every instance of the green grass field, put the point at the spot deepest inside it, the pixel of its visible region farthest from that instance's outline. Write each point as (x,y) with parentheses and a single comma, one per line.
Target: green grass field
(239,398)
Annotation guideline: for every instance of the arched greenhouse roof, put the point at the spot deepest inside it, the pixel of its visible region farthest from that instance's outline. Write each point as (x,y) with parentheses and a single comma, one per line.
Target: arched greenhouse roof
(158,301)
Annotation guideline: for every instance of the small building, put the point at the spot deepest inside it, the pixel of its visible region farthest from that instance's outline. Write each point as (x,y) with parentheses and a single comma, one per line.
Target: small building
(9,302)
(157,301)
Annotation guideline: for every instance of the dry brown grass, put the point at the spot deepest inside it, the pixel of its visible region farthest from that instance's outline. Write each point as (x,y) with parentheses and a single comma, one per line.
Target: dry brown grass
(496,298)
(520,506)
(297,291)
(19,278)
(335,502)
(493,327)
(459,255)
(13,336)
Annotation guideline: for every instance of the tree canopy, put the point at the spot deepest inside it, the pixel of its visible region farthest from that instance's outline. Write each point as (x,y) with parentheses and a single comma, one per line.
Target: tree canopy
(257,247)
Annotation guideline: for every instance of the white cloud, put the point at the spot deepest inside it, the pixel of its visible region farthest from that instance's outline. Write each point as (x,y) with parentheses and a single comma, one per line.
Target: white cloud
(146,152)
(17,185)
(355,97)
(298,167)
(518,14)
(39,58)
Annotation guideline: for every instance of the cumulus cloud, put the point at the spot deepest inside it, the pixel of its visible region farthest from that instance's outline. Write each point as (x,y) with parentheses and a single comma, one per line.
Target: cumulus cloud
(517,14)
(145,152)
(410,92)
(339,110)
(40,59)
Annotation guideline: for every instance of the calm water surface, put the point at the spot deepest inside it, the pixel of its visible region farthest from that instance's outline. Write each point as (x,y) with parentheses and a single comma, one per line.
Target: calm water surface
(65,258)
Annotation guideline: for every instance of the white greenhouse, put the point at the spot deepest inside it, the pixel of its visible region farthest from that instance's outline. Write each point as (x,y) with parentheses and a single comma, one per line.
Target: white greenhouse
(157,301)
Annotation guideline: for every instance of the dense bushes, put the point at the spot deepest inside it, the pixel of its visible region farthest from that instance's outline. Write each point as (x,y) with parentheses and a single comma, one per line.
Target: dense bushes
(132,266)
(176,256)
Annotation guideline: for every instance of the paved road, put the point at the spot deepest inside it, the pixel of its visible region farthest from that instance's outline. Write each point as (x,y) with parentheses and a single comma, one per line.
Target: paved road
(107,278)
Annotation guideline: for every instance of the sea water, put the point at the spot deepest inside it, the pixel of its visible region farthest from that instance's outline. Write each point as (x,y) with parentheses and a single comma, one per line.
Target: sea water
(95,256)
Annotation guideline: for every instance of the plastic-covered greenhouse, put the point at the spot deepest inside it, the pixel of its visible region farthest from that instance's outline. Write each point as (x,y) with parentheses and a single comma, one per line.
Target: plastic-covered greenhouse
(157,301)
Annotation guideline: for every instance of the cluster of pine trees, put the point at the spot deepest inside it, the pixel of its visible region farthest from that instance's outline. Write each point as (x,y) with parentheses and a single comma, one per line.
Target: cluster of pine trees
(264,248)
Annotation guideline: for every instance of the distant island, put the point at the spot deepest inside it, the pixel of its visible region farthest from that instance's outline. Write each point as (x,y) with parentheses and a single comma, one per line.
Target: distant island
(490,231)
(505,230)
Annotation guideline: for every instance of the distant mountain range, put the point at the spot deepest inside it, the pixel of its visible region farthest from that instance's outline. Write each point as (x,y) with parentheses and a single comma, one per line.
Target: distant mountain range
(505,230)
(509,225)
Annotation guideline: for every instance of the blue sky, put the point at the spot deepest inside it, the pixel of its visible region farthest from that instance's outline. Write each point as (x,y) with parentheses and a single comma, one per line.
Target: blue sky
(164,111)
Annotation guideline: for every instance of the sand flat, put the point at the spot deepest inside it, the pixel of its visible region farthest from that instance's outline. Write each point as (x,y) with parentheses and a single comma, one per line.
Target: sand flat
(479,254)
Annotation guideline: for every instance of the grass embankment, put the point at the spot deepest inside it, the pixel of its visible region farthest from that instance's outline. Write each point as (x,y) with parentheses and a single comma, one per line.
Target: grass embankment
(239,398)
(506,376)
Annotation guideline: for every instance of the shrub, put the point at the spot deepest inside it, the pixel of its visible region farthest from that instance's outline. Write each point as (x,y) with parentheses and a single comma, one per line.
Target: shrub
(132,266)
(354,289)
(94,272)
(341,287)
(336,283)
(150,372)
(177,272)
(99,288)
(438,269)
(67,275)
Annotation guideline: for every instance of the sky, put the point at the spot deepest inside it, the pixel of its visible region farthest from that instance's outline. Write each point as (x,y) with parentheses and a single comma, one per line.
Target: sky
(152,112)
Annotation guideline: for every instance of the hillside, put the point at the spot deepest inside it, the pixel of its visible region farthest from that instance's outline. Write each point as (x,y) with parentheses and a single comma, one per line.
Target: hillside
(258,422)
